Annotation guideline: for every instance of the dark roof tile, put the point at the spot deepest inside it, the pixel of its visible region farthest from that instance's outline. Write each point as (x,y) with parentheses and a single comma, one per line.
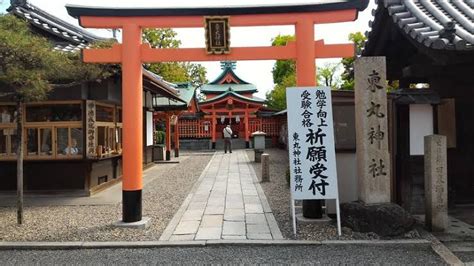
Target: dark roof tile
(428,22)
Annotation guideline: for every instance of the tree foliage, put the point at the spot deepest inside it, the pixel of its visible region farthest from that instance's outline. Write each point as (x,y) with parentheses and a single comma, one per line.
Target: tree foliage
(348,63)
(173,71)
(30,67)
(283,68)
(327,75)
(284,75)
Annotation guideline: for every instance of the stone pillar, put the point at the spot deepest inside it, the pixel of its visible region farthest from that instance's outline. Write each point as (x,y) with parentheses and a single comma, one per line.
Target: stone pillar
(265,167)
(436,189)
(373,157)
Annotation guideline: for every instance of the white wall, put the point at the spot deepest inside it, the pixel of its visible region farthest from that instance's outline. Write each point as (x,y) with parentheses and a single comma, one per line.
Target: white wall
(346,180)
(149,128)
(421,125)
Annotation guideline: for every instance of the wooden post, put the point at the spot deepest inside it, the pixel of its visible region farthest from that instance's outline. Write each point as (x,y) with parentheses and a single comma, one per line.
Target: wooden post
(19,163)
(213,129)
(132,123)
(176,139)
(247,135)
(305,66)
(306,76)
(168,137)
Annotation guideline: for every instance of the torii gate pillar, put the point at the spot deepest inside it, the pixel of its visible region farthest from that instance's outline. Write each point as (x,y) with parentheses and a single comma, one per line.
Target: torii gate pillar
(132,111)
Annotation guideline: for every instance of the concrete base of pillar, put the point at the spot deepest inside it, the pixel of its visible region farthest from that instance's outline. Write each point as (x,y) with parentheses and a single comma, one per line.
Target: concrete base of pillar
(303,220)
(168,155)
(142,224)
(176,153)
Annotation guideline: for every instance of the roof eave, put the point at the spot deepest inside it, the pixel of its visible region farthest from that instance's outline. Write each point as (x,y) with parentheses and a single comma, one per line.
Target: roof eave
(78,10)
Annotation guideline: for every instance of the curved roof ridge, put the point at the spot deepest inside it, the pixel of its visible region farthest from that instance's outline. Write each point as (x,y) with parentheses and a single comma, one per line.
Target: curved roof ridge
(231,92)
(19,7)
(227,70)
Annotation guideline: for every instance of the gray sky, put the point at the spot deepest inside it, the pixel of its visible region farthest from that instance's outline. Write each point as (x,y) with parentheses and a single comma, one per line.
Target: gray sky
(256,72)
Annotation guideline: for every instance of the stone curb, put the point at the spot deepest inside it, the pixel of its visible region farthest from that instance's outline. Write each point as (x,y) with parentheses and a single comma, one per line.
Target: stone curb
(96,245)
(162,244)
(440,249)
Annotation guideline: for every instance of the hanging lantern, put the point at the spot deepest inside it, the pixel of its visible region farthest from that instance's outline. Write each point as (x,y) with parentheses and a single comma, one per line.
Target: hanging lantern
(222,119)
(237,119)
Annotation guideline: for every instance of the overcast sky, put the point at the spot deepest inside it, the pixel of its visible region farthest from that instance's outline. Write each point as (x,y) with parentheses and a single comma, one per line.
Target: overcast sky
(256,72)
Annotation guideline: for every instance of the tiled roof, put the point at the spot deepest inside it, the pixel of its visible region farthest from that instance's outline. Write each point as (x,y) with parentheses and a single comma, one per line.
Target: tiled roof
(209,88)
(185,92)
(230,92)
(437,24)
(228,72)
(69,37)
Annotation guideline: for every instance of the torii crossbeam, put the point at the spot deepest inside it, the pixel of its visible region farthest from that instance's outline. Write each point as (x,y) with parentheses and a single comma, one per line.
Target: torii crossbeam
(131,53)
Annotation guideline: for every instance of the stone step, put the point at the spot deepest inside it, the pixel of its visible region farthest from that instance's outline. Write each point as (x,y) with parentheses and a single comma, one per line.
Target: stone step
(236,144)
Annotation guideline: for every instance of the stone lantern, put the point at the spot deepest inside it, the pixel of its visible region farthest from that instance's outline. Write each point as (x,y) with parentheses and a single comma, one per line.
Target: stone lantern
(258,144)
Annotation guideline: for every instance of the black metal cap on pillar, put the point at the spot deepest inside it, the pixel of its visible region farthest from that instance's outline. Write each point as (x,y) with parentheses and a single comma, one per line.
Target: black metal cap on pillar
(168,155)
(312,209)
(132,206)
(213,145)
(247,144)
(176,153)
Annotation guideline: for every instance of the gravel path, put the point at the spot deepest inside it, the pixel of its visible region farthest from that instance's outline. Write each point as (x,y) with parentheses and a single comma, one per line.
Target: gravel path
(278,194)
(161,198)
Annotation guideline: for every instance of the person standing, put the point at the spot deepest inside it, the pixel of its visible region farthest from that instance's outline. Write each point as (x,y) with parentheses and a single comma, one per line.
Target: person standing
(227,138)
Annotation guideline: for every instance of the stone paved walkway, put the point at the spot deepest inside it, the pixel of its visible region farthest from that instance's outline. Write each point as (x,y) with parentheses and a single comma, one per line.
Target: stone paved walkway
(226,203)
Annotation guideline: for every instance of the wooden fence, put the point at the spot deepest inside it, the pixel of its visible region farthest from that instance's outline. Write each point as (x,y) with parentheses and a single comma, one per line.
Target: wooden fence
(271,126)
(202,128)
(194,128)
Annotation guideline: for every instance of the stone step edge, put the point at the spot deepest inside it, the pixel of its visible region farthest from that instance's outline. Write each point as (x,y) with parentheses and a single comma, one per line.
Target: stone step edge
(157,244)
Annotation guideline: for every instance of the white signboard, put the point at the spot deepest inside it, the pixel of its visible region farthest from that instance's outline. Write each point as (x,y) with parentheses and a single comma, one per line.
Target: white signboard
(311,144)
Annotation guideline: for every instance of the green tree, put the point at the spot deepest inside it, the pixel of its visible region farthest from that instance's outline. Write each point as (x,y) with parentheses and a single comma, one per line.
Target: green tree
(284,75)
(173,71)
(276,98)
(28,67)
(283,68)
(327,75)
(348,63)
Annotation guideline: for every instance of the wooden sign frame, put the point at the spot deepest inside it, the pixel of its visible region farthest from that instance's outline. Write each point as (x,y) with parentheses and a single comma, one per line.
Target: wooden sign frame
(217,30)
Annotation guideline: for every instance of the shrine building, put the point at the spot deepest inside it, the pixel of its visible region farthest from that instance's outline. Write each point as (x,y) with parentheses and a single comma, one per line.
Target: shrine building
(227,100)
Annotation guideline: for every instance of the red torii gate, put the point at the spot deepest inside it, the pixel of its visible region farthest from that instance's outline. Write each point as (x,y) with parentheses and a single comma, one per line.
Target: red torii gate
(132,53)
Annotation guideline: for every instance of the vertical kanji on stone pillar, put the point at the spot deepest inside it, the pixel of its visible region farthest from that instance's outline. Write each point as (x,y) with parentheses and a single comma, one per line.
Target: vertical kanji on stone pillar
(373,157)
(436,183)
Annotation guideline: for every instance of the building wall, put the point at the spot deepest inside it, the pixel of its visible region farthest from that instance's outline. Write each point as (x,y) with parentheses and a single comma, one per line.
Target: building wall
(461,155)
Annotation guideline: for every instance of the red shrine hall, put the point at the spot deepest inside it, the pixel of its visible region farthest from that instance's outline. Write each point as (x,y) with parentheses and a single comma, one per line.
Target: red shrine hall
(227,100)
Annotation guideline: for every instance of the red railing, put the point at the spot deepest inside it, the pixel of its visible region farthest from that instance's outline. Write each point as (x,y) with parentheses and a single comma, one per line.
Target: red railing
(271,126)
(194,128)
(203,129)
